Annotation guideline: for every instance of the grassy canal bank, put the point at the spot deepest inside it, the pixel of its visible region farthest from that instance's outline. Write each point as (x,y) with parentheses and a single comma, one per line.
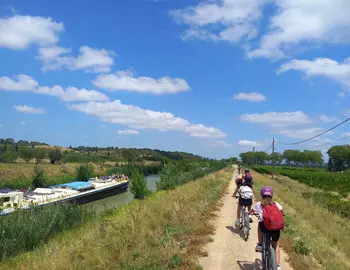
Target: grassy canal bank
(162,231)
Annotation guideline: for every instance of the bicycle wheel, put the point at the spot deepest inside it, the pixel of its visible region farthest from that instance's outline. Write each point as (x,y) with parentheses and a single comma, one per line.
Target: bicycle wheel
(246,227)
(272,265)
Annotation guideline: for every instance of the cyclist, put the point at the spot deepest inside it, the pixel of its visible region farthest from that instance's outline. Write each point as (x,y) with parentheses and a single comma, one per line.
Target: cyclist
(266,195)
(245,199)
(248,178)
(239,182)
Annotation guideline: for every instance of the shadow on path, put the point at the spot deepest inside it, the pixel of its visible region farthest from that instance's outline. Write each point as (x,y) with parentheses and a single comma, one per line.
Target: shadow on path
(245,265)
(236,231)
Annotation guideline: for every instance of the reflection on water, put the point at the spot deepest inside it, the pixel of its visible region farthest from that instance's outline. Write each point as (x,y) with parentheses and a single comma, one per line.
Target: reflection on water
(120,199)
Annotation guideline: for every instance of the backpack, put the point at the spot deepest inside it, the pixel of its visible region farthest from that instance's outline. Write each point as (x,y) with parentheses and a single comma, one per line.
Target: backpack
(248,178)
(273,218)
(245,192)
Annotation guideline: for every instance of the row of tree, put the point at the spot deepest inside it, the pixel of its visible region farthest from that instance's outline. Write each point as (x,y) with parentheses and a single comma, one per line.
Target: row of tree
(296,157)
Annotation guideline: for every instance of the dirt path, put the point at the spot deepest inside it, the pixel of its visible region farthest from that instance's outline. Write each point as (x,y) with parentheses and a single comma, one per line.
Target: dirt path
(229,250)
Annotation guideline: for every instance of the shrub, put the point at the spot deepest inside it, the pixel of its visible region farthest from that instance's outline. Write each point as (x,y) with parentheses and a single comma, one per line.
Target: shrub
(55,155)
(84,172)
(138,184)
(8,157)
(300,247)
(26,153)
(39,154)
(169,177)
(38,178)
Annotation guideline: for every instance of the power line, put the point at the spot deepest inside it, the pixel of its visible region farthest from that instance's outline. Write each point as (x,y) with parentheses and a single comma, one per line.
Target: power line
(329,142)
(318,135)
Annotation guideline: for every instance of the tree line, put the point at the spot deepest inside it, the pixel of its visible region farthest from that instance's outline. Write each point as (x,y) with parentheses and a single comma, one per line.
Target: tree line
(290,157)
(339,158)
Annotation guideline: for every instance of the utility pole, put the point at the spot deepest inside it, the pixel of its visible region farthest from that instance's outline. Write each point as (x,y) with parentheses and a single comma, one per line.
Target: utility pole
(253,155)
(273,157)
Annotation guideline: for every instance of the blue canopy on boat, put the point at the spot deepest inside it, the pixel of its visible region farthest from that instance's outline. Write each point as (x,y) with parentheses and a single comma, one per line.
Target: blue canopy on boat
(76,185)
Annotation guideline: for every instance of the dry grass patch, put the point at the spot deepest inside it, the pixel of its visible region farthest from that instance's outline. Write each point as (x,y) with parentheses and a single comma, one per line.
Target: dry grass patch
(166,230)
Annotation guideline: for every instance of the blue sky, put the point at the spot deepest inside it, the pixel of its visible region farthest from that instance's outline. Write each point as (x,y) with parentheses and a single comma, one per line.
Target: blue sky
(209,77)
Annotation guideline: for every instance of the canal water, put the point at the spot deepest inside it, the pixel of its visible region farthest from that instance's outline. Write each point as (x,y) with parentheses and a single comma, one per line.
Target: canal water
(119,200)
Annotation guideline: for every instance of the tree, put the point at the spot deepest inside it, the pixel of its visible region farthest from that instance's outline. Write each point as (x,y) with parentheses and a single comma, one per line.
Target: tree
(138,184)
(276,157)
(38,178)
(39,155)
(84,172)
(169,177)
(55,155)
(247,157)
(26,153)
(8,157)
(339,157)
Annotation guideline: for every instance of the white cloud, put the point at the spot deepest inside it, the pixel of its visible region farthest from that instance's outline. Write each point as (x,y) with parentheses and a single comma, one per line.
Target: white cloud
(23,123)
(20,32)
(252,96)
(27,83)
(277,118)
(28,109)
(299,133)
(325,67)
(21,83)
(221,143)
(138,118)
(228,20)
(246,143)
(89,59)
(128,132)
(326,119)
(71,93)
(103,126)
(301,23)
(126,80)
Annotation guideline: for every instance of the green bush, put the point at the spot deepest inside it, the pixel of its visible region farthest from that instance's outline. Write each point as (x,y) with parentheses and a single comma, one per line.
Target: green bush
(138,184)
(38,178)
(8,157)
(84,172)
(169,177)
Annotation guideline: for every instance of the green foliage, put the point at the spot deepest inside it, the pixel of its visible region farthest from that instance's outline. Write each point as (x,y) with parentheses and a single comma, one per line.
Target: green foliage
(38,154)
(38,178)
(339,157)
(300,247)
(26,153)
(138,184)
(169,177)
(55,155)
(175,261)
(8,157)
(318,178)
(331,201)
(25,230)
(145,169)
(84,172)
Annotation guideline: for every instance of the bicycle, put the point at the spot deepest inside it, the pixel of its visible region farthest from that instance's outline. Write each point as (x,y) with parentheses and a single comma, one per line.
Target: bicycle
(244,221)
(268,255)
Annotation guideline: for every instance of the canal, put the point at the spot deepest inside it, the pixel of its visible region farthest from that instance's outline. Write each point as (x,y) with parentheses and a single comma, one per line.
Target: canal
(120,199)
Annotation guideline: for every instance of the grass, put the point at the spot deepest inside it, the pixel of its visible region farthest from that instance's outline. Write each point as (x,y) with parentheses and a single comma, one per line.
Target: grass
(310,228)
(26,229)
(166,230)
(20,175)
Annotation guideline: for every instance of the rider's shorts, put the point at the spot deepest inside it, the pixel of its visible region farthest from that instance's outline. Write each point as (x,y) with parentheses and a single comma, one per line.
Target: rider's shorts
(245,202)
(275,235)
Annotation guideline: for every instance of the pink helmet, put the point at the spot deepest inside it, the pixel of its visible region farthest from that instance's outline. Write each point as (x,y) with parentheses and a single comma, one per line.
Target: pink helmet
(266,191)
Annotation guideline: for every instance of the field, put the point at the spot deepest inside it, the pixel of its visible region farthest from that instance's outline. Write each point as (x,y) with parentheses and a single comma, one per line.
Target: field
(315,177)
(166,230)
(19,175)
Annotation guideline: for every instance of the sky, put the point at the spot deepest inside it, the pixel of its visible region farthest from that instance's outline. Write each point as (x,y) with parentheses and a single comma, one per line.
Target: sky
(213,78)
